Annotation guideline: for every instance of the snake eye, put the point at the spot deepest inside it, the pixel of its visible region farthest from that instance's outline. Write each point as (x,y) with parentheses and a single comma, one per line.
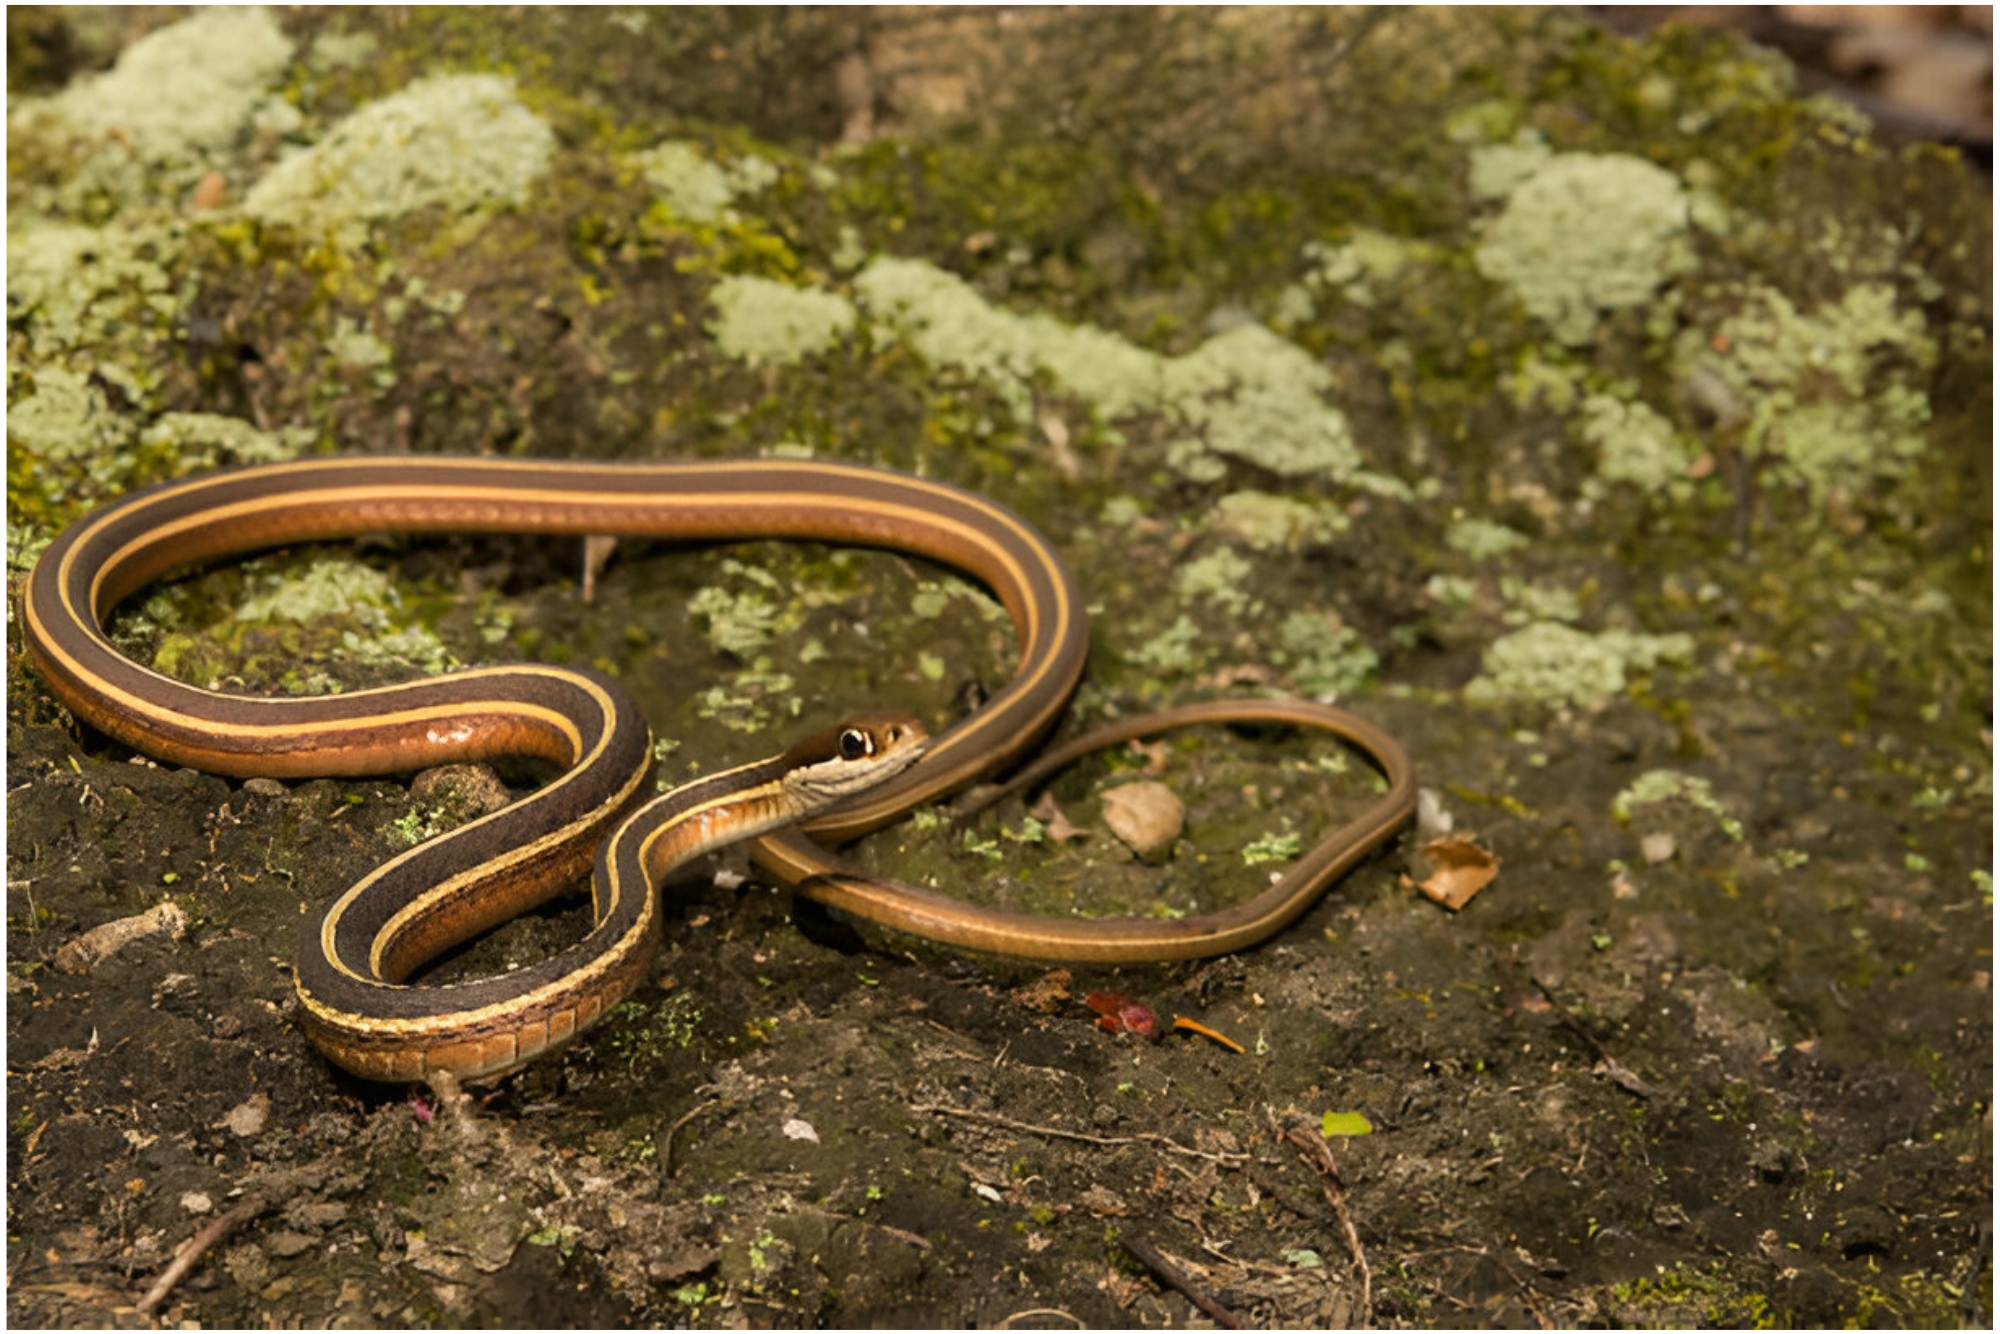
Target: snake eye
(855,744)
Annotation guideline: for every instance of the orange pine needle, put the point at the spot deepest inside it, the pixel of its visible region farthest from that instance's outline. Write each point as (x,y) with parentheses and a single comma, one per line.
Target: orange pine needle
(1182,1021)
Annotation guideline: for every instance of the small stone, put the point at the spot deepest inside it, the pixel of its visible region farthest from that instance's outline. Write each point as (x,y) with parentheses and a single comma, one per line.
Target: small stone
(1146,816)
(460,792)
(264,787)
(100,943)
(1657,848)
(247,1118)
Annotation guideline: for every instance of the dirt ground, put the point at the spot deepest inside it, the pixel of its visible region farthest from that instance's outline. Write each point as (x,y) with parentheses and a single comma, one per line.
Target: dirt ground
(1715,1046)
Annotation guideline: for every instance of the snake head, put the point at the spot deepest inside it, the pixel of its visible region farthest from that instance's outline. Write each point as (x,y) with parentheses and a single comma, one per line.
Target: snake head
(853,756)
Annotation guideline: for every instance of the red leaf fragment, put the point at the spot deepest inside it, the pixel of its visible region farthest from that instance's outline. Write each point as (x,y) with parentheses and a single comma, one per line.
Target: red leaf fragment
(1119,1013)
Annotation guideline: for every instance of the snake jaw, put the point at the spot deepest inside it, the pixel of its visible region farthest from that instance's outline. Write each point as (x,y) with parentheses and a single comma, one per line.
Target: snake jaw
(852,757)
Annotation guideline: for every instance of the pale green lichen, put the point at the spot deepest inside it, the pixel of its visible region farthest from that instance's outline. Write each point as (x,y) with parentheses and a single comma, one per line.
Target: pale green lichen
(455,141)
(772,323)
(1835,396)
(1496,170)
(1172,650)
(952,327)
(1657,785)
(1245,393)
(354,348)
(1538,602)
(697,189)
(1553,664)
(66,417)
(1482,539)
(69,286)
(179,91)
(1324,658)
(1351,270)
(330,587)
(339,587)
(1634,443)
(207,440)
(1270,522)
(1587,233)
(1219,577)
(341,50)
(739,622)
(1119,511)
(1254,396)
(933,597)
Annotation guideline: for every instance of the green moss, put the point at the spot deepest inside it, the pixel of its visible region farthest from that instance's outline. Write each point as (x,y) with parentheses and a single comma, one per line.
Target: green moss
(1688,1296)
(456,141)
(1556,665)
(1586,233)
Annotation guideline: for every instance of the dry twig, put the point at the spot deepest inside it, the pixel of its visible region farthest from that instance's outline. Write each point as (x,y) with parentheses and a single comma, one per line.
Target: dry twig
(1312,1148)
(1171,1274)
(1052,1132)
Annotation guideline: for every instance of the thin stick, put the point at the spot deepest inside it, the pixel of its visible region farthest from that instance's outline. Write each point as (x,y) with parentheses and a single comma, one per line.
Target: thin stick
(1008,1323)
(1312,1148)
(194,1247)
(260,1195)
(1052,1132)
(667,1144)
(1170,1274)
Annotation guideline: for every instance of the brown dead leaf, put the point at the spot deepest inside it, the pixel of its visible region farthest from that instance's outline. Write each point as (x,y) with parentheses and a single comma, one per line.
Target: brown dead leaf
(1054,822)
(1460,868)
(1155,753)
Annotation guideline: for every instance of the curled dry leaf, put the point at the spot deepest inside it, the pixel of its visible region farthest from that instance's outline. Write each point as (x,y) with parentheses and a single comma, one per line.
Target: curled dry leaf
(1460,868)
(1054,822)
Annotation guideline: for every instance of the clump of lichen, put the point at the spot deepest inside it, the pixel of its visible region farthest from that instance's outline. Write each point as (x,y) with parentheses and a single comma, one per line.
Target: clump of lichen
(1246,393)
(1832,396)
(1634,443)
(1557,665)
(456,141)
(773,323)
(1582,234)
(176,98)
(696,188)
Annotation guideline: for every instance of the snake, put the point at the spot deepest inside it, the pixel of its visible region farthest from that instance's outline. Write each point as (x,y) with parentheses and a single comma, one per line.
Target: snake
(357,955)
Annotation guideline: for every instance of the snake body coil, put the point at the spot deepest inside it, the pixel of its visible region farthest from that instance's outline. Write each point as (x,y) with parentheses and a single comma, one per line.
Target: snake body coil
(354,957)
